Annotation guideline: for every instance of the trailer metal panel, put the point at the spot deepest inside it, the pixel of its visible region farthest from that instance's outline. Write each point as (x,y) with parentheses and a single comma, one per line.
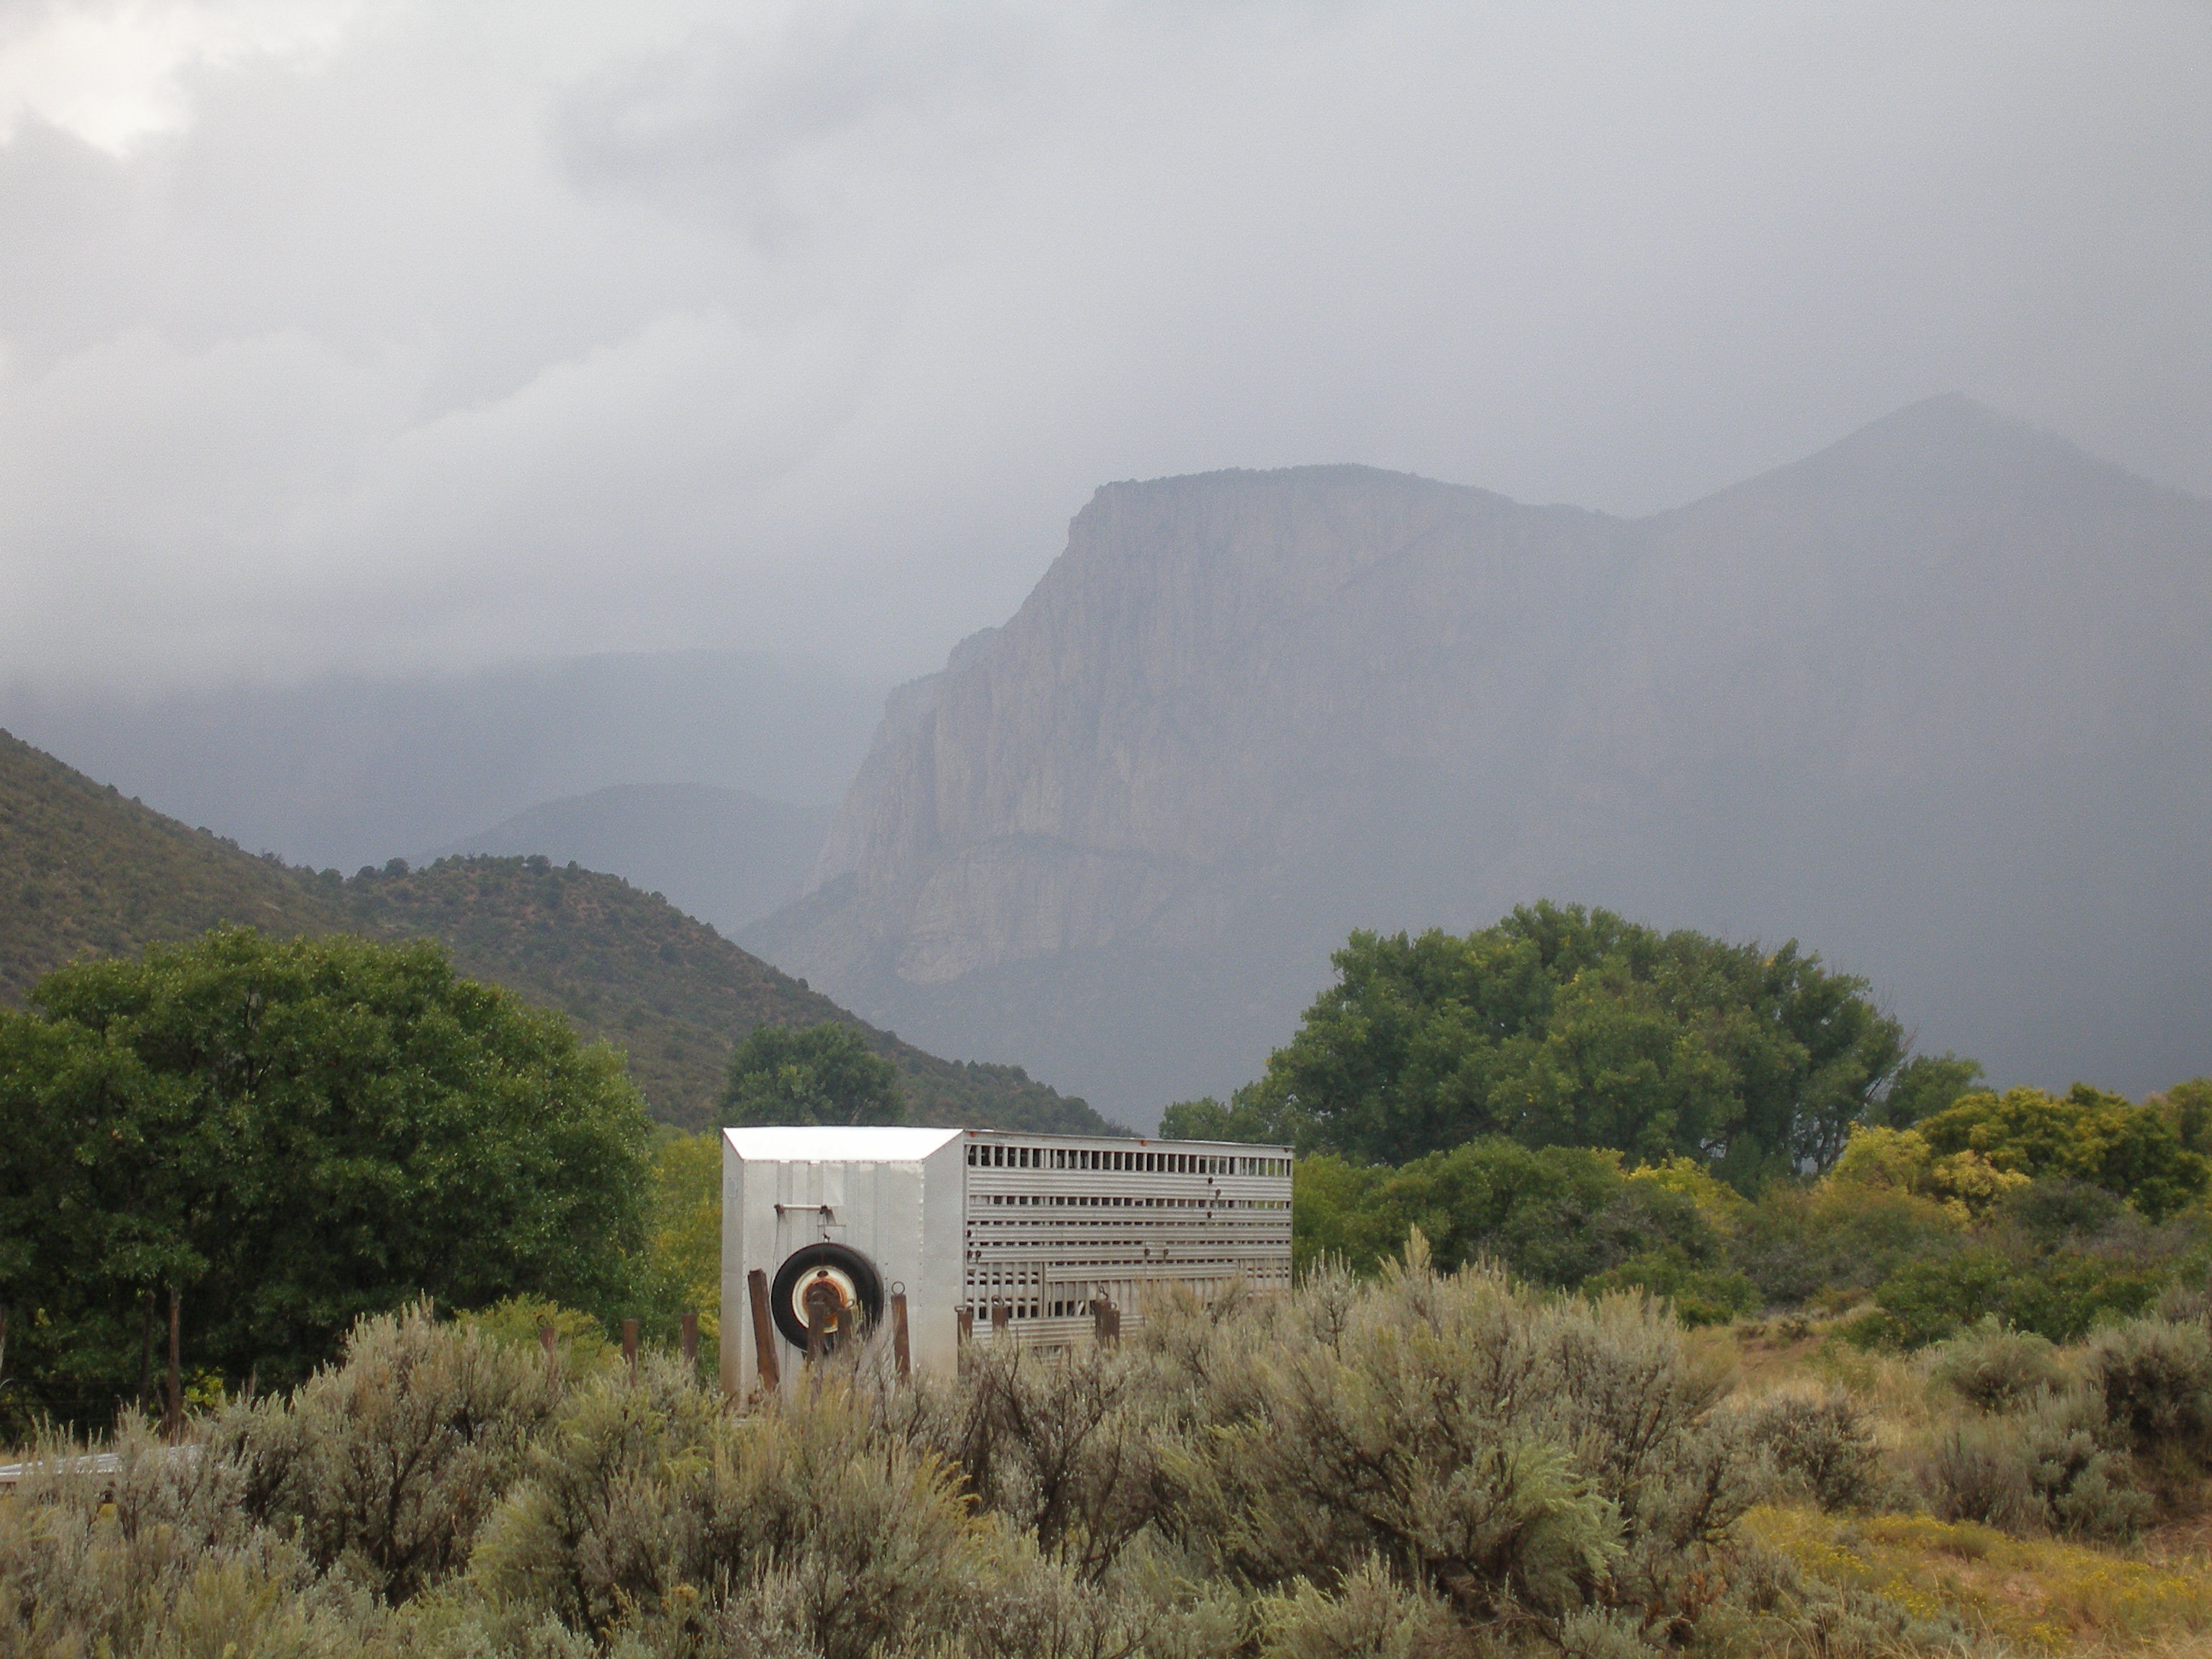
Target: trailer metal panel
(1035,1228)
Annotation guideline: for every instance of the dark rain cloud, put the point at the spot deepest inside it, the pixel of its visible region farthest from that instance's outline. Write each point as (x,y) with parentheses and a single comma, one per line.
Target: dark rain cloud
(386,333)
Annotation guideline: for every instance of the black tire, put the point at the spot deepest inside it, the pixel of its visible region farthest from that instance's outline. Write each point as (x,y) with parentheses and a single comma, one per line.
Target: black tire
(866,1285)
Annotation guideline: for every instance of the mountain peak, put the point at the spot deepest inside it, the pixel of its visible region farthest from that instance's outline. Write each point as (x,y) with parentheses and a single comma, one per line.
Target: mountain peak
(1954,434)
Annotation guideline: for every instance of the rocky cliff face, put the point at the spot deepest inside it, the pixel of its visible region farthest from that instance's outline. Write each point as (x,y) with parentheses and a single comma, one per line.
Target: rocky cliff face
(1935,701)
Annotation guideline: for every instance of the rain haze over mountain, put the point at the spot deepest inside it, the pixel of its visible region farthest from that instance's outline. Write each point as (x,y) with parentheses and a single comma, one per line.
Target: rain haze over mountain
(1937,700)
(355,350)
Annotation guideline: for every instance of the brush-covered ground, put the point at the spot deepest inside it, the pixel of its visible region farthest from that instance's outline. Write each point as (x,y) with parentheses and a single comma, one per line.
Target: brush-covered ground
(2034,1497)
(1418,1463)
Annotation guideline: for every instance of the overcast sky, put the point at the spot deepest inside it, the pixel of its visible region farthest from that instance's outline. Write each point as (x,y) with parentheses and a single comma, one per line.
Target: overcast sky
(404,333)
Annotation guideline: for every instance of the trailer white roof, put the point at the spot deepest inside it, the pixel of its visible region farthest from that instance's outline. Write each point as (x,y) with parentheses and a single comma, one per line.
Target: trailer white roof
(815,1143)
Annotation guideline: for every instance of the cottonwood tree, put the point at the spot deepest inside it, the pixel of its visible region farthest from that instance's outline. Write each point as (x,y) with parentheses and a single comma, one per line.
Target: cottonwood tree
(824,1073)
(293,1133)
(1561,1026)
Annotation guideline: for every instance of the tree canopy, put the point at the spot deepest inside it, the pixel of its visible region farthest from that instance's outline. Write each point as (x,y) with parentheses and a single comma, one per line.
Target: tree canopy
(1561,1026)
(824,1073)
(2134,1152)
(294,1133)
(1922,1086)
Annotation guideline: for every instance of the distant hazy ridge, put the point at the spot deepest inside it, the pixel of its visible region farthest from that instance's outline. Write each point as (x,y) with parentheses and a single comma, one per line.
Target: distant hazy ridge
(85,873)
(719,854)
(1937,701)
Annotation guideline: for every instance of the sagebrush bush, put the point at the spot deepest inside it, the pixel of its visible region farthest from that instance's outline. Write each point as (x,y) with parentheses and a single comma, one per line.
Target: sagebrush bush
(1064,1446)
(2153,1379)
(1821,1447)
(651,1510)
(149,1564)
(1519,1457)
(388,1463)
(1994,1368)
(1369,1615)
(2187,1301)
(2040,1468)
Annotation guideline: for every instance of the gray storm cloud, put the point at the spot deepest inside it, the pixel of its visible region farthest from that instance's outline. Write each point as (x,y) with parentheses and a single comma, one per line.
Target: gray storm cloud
(393,333)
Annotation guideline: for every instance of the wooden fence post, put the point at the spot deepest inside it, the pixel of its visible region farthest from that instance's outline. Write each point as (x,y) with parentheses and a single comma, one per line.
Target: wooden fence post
(545,1338)
(821,1306)
(687,1340)
(964,1319)
(146,1353)
(173,1421)
(763,1333)
(899,1349)
(629,1347)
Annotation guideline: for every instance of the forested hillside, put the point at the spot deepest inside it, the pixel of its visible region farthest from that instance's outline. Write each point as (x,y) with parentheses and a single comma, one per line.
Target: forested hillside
(85,871)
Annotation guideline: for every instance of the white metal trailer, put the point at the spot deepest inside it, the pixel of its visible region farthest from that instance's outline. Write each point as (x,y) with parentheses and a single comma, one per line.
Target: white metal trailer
(967,1223)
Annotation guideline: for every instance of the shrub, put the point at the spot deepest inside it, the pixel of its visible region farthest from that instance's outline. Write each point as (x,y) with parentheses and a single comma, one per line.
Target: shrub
(1066,1447)
(1796,1243)
(1925,1301)
(1368,1616)
(579,1339)
(1699,1295)
(2187,1301)
(153,1564)
(2039,1469)
(2059,1297)
(2131,1151)
(388,1463)
(652,1511)
(1507,1453)
(2064,1297)
(1996,1370)
(2059,1208)
(1554,1215)
(2154,1378)
(1821,1448)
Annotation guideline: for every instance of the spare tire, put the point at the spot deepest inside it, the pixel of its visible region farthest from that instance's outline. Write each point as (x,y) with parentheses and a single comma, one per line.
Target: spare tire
(860,1291)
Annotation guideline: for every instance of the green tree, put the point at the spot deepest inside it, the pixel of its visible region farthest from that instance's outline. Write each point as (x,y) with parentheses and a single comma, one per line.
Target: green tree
(1561,1026)
(2130,1151)
(1559,1217)
(1207,1119)
(683,1266)
(2187,1108)
(294,1134)
(822,1073)
(1923,1086)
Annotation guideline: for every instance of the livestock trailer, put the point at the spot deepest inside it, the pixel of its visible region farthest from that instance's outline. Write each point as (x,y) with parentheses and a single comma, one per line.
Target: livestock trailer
(989,1235)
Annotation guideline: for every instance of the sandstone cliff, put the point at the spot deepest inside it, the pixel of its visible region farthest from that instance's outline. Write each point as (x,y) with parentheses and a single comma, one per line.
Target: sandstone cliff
(1938,700)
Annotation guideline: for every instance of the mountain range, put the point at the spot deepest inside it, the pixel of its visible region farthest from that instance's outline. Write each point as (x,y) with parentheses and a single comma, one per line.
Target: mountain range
(1936,701)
